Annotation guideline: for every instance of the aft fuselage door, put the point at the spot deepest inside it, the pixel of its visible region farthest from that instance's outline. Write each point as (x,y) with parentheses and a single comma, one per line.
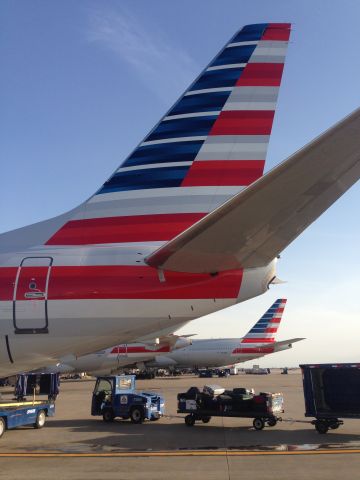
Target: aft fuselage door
(30,312)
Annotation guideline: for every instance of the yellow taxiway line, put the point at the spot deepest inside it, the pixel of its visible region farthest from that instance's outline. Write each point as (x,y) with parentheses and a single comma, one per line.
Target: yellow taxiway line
(185,453)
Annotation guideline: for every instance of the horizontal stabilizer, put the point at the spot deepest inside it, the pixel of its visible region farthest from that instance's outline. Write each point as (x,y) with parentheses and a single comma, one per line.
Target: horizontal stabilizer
(285,344)
(253,227)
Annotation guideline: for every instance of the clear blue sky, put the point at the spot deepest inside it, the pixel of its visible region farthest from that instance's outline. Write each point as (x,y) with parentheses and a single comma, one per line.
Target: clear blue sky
(82,83)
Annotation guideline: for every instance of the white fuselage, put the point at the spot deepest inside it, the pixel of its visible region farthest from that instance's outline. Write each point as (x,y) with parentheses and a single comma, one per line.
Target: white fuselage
(198,354)
(110,360)
(58,301)
(207,353)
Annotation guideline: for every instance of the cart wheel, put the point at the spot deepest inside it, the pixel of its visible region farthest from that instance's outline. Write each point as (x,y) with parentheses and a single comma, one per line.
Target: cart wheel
(206,419)
(321,427)
(190,420)
(258,423)
(108,415)
(2,426)
(272,422)
(136,415)
(40,419)
(334,424)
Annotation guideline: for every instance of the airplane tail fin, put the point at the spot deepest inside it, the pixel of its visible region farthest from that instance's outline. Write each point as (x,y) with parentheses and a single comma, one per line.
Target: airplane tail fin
(208,147)
(265,329)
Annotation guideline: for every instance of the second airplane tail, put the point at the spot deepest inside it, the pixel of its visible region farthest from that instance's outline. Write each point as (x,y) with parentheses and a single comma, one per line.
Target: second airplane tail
(265,329)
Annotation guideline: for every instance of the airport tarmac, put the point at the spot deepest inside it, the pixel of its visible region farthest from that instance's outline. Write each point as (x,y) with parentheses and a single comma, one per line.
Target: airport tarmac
(75,445)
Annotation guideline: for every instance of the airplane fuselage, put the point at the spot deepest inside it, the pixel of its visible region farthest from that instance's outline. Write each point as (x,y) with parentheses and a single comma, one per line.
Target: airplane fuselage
(110,360)
(200,354)
(259,341)
(57,301)
(212,353)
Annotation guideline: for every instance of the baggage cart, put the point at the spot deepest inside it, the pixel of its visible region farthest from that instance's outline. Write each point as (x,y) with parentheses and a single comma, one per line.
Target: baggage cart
(21,410)
(264,408)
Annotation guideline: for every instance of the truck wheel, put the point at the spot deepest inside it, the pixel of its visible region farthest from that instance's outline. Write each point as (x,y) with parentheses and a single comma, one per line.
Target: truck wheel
(136,415)
(272,422)
(321,427)
(190,420)
(258,423)
(206,419)
(108,415)
(2,426)
(40,419)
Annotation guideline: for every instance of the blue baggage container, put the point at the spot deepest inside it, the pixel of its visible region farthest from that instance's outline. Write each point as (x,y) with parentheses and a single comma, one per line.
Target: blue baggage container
(331,392)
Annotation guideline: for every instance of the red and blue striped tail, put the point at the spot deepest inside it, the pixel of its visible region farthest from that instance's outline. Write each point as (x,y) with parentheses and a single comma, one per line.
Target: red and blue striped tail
(209,146)
(265,329)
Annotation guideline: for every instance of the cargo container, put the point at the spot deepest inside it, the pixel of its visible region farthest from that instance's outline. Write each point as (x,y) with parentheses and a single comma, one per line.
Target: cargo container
(331,392)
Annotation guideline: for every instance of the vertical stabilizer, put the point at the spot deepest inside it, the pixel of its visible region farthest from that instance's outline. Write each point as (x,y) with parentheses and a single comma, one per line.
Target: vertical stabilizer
(265,329)
(260,339)
(209,146)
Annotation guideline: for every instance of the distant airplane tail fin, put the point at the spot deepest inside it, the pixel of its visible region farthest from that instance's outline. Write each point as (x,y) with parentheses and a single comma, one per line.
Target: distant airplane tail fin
(208,147)
(265,329)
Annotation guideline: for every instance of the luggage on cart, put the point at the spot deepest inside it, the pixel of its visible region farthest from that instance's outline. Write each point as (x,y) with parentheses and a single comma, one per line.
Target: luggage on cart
(215,401)
(213,390)
(191,394)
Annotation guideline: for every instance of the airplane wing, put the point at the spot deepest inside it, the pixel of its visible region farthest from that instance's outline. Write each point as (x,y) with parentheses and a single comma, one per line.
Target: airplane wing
(288,342)
(254,226)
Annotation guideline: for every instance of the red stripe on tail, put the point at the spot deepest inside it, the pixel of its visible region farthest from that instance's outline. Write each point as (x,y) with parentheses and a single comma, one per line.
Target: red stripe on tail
(138,228)
(277,31)
(257,340)
(261,74)
(243,122)
(224,172)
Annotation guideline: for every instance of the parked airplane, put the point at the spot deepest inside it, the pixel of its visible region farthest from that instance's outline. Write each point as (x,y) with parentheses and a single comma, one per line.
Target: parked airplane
(186,226)
(259,341)
(112,359)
